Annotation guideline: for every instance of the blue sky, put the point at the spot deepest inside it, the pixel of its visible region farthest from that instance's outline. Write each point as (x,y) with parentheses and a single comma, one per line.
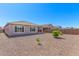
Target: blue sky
(66,15)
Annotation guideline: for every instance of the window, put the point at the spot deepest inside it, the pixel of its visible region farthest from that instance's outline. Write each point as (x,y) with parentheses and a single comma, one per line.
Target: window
(19,29)
(39,29)
(32,29)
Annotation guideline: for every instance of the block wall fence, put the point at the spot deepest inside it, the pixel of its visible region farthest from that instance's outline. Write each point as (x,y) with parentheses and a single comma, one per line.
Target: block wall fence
(70,31)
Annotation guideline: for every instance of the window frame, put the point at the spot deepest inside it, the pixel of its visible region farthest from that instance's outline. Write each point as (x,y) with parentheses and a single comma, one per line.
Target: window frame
(32,29)
(19,28)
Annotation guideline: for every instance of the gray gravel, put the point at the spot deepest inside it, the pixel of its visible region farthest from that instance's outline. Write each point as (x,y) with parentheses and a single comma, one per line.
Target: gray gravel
(68,45)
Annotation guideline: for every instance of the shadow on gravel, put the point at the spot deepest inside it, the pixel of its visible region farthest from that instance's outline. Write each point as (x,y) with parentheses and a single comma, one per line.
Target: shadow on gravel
(60,38)
(23,35)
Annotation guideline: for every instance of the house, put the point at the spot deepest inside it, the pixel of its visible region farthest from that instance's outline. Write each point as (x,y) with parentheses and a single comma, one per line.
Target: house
(22,28)
(47,27)
(1,30)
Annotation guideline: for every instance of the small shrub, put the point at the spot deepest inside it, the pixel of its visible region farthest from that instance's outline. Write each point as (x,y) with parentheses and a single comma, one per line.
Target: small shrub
(61,33)
(56,33)
(38,41)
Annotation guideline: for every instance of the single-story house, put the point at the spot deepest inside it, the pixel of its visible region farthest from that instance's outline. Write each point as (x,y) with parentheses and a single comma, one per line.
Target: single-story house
(22,28)
(47,27)
(1,30)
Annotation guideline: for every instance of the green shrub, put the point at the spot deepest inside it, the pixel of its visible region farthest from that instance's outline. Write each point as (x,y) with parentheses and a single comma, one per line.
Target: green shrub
(61,33)
(38,41)
(56,33)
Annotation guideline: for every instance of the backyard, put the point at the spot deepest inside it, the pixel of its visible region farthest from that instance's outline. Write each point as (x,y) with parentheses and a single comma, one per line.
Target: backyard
(27,45)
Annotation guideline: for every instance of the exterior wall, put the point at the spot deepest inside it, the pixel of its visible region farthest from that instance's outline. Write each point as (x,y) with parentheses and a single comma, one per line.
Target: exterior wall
(71,31)
(10,30)
(7,29)
(40,28)
(47,29)
(1,30)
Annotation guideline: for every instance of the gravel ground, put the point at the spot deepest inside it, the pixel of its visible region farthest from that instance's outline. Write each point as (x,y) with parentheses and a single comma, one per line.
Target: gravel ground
(68,45)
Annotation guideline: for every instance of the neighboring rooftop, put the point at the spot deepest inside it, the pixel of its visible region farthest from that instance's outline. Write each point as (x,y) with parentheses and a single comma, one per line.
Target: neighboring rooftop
(47,25)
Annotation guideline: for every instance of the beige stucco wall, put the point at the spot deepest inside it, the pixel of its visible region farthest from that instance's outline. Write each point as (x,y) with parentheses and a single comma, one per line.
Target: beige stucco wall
(41,28)
(11,31)
(7,29)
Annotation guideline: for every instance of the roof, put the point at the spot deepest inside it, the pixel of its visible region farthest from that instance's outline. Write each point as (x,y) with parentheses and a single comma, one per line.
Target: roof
(22,23)
(28,23)
(47,25)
